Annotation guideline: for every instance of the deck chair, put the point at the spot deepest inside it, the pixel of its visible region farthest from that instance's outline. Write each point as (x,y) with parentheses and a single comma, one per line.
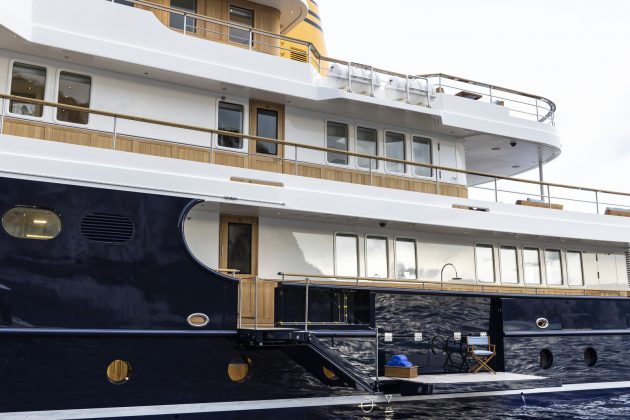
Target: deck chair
(481,351)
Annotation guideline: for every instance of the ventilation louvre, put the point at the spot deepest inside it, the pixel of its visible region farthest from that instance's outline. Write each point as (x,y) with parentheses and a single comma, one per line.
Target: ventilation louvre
(107,228)
(299,55)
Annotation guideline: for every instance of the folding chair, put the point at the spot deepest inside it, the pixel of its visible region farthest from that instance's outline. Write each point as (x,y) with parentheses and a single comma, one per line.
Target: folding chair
(481,351)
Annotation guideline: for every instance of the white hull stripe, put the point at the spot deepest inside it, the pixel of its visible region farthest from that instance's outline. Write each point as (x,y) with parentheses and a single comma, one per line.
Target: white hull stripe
(354,400)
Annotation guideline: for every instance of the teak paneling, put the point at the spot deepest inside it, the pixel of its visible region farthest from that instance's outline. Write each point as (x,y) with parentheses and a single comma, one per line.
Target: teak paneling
(83,137)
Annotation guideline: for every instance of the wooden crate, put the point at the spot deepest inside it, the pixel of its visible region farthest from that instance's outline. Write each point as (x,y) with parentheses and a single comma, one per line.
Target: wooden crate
(401,372)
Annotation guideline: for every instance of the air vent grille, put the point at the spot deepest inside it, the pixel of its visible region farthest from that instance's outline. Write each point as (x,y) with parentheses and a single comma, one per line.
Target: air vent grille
(298,55)
(107,228)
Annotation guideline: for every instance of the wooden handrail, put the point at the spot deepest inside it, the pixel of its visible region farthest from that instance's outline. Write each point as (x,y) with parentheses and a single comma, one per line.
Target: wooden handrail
(298,145)
(423,283)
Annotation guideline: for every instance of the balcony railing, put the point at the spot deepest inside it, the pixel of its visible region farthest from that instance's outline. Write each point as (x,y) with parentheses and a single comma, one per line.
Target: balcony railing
(498,188)
(520,104)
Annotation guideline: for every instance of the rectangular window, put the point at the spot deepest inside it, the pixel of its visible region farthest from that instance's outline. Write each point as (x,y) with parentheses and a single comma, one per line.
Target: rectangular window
(74,89)
(422,154)
(243,17)
(575,276)
(346,255)
(124,2)
(30,82)
(239,252)
(337,138)
(267,126)
(367,144)
(531,266)
(406,259)
(509,264)
(484,261)
(395,149)
(376,258)
(177,20)
(553,266)
(230,119)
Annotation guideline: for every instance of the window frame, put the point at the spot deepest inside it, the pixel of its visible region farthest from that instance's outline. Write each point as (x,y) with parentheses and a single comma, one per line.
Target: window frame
(246,43)
(375,236)
(346,234)
(185,28)
(56,92)
(541,262)
(415,247)
(7,103)
(431,153)
(245,121)
(562,268)
(375,162)
(494,262)
(348,141)
(519,279)
(404,136)
(566,261)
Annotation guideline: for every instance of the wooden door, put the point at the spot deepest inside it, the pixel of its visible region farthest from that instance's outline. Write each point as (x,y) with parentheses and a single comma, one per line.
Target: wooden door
(266,120)
(239,251)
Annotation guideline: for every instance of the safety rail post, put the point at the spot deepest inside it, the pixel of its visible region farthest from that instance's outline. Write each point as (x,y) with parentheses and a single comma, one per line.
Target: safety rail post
(537,116)
(426,81)
(306,306)
(371,172)
(490,88)
(308,53)
(376,358)
(437,181)
(597,201)
(185,22)
(350,76)
(2,116)
(549,195)
(114,133)
(372,81)
(255,302)
(295,162)
(240,304)
(496,191)
(250,39)
(211,148)
(407,89)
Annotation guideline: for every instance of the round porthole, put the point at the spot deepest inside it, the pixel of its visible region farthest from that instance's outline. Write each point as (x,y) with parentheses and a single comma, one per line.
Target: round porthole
(118,372)
(545,358)
(590,357)
(239,369)
(329,374)
(542,323)
(198,320)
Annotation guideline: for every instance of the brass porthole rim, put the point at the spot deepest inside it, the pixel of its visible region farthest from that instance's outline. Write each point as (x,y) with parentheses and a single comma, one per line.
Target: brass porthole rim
(542,323)
(198,315)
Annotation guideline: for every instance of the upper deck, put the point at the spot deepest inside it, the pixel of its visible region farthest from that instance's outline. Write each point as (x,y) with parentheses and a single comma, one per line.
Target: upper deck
(206,50)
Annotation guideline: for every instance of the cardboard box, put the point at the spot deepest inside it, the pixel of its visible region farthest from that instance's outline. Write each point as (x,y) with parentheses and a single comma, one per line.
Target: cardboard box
(401,372)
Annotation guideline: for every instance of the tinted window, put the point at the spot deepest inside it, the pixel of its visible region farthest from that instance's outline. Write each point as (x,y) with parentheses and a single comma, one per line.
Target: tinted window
(531,266)
(575,276)
(376,264)
(239,255)
(177,20)
(346,255)
(406,259)
(230,119)
(422,154)
(509,265)
(395,149)
(31,223)
(553,266)
(484,260)
(337,138)
(243,17)
(74,89)
(267,126)
(367,139)
(124,2)
(30,82)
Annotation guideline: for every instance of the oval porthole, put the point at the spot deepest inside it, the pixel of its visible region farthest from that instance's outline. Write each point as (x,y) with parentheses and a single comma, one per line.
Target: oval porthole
(198,320)
(545,358)
(542,323)
(118,372)
(590,357)
(239,369)
(31,223)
